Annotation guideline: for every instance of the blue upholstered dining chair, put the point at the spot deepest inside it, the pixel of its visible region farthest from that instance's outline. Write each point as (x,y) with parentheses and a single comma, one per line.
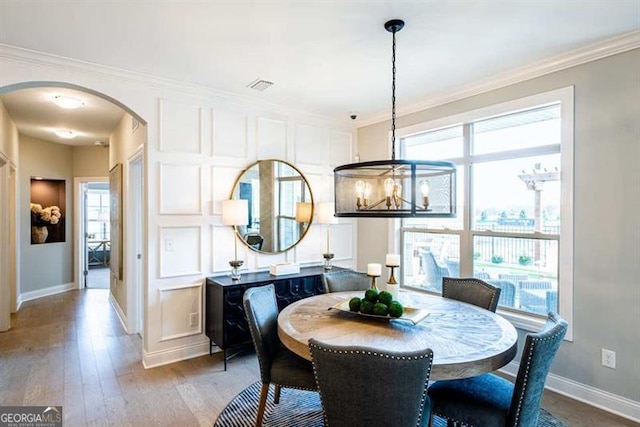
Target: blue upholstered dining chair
(492,401)
(360,386)
(345,280)
(471,290)
(433,271)
(507,292)
(277,364)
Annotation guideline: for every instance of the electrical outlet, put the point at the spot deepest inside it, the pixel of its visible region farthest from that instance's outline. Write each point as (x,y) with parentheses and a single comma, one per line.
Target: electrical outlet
(193,319)
(608,358)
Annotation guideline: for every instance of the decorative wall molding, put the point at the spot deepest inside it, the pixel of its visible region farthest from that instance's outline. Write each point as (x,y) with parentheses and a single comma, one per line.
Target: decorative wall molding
(180,188)
(174,354)
(175,247)
(604,400)
(594,52)
(39,293)
(180,127)
(271,138)
(230,134)
(169,312)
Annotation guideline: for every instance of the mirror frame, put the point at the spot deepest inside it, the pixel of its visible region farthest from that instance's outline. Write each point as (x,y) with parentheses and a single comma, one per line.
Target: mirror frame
(313,207)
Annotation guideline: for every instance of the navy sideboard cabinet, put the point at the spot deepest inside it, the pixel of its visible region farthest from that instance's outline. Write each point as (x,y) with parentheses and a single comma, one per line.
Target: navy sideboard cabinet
(226,323)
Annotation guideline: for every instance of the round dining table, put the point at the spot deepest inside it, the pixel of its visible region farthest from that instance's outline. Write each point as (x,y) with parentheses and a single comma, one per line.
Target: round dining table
(466,340)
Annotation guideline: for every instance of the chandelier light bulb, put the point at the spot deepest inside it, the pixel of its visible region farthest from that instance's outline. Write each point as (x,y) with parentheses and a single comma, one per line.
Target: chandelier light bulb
(359,188)
(424,188)
(367,190)
(388,187)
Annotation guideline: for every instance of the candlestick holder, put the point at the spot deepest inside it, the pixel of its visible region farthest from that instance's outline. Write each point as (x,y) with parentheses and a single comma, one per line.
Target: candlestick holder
(235,265)
(392,279)
(327,261)
(373,281)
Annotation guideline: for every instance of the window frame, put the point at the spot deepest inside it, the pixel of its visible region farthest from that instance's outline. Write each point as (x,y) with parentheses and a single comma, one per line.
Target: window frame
(565,97)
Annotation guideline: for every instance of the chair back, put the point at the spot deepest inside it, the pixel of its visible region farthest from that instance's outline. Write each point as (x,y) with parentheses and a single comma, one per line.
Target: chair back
(360,386)
(345,280)
(471,290)
(261,308)
(453,265)
(539,351)
(254,240)
(515,278)
(534,284)
(434,272)
(507,292)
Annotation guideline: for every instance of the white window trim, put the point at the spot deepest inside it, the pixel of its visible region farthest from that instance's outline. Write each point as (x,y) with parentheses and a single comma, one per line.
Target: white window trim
(565,96)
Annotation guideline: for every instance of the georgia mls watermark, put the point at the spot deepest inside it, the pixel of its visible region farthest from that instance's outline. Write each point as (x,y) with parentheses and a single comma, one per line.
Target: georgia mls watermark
(30,416)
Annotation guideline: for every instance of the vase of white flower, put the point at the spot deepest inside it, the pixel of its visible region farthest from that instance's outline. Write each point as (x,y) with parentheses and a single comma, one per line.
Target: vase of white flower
(39,234)
(40,219)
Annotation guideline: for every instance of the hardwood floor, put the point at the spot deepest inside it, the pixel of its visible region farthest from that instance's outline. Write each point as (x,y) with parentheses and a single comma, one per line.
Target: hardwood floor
(70,350)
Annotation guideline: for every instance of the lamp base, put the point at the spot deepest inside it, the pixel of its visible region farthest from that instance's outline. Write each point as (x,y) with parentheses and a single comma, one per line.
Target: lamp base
(327,261)
(235,265)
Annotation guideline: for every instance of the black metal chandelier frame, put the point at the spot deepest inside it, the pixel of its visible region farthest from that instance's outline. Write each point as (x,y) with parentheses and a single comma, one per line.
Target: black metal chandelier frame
(396,175)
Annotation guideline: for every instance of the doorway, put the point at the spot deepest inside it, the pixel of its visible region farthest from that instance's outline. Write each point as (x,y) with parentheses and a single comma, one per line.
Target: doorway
(97,236)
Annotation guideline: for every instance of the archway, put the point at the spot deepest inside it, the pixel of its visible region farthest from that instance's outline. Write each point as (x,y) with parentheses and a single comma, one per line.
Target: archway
(10,289)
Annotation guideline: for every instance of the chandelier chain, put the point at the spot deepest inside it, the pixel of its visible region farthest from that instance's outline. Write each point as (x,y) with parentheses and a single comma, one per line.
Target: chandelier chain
(393,98)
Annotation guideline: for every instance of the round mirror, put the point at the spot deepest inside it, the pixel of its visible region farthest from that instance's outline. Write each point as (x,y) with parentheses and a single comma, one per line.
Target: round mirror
(280,205)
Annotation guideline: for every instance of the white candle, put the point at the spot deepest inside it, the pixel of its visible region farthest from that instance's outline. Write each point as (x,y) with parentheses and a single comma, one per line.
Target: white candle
(374,269)
(393,260)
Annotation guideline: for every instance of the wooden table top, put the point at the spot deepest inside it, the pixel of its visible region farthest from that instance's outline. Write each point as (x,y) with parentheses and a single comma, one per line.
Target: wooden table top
(466,340)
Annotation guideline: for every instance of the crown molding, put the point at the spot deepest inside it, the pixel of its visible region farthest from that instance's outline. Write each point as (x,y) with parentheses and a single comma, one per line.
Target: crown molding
(48,60)
(590,53)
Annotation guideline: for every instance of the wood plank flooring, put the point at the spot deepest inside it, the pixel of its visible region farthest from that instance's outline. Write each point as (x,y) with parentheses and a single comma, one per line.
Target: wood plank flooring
(70,350)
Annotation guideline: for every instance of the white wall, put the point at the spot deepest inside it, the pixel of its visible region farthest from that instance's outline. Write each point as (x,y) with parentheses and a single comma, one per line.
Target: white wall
(9,273)
(197,142)
(606,223)
(45,268)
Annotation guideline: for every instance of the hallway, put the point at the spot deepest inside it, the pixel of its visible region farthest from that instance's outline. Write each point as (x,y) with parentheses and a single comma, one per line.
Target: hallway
(70,349)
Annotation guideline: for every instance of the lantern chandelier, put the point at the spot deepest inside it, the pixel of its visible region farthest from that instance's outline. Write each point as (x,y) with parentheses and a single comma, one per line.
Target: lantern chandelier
(395,188)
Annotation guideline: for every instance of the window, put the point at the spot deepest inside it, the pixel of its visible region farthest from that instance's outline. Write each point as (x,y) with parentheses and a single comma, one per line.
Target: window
(514,222)
(98,226)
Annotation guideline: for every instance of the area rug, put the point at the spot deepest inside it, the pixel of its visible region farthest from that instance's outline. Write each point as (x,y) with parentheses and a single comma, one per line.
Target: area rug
(299,408)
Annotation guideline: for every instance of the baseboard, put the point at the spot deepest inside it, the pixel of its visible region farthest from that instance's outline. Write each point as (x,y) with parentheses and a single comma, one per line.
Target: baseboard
(176,354)
(121,316)
(52,290)
(18,303)
(604,400)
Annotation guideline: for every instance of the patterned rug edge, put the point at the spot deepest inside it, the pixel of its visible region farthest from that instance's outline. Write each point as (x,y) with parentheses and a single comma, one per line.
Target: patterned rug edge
(299,408)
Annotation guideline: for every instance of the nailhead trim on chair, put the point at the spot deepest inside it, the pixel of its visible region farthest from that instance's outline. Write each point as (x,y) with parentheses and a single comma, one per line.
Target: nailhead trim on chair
(477,281)
(527,371)
(387,356)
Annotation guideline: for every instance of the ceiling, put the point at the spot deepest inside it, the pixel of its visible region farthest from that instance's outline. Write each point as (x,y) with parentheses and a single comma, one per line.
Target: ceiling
(331,58)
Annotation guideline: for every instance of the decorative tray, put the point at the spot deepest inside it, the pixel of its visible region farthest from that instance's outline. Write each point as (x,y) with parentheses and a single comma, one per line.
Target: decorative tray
(413,315)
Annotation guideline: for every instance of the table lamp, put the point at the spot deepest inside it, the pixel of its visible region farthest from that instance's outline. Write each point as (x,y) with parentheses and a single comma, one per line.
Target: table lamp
(235,213)
(303,212)
(326,217)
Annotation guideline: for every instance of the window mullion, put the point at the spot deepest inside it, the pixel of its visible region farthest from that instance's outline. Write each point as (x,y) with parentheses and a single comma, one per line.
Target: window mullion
(466,240)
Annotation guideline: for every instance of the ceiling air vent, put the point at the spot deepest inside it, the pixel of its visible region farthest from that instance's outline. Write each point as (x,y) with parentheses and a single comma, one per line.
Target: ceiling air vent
(260,85)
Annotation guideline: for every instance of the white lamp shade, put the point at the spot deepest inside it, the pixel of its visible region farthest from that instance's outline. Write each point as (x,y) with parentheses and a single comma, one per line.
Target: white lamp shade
(325,213)
(235,212)
(303,212)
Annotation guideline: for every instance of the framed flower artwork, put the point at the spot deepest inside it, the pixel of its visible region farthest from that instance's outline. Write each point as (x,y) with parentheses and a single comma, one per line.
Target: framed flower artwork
(47,210)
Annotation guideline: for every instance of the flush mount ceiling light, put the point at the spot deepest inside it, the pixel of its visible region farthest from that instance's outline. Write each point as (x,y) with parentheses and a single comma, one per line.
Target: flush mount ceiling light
(65,134)
(395,188)
(67,102)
